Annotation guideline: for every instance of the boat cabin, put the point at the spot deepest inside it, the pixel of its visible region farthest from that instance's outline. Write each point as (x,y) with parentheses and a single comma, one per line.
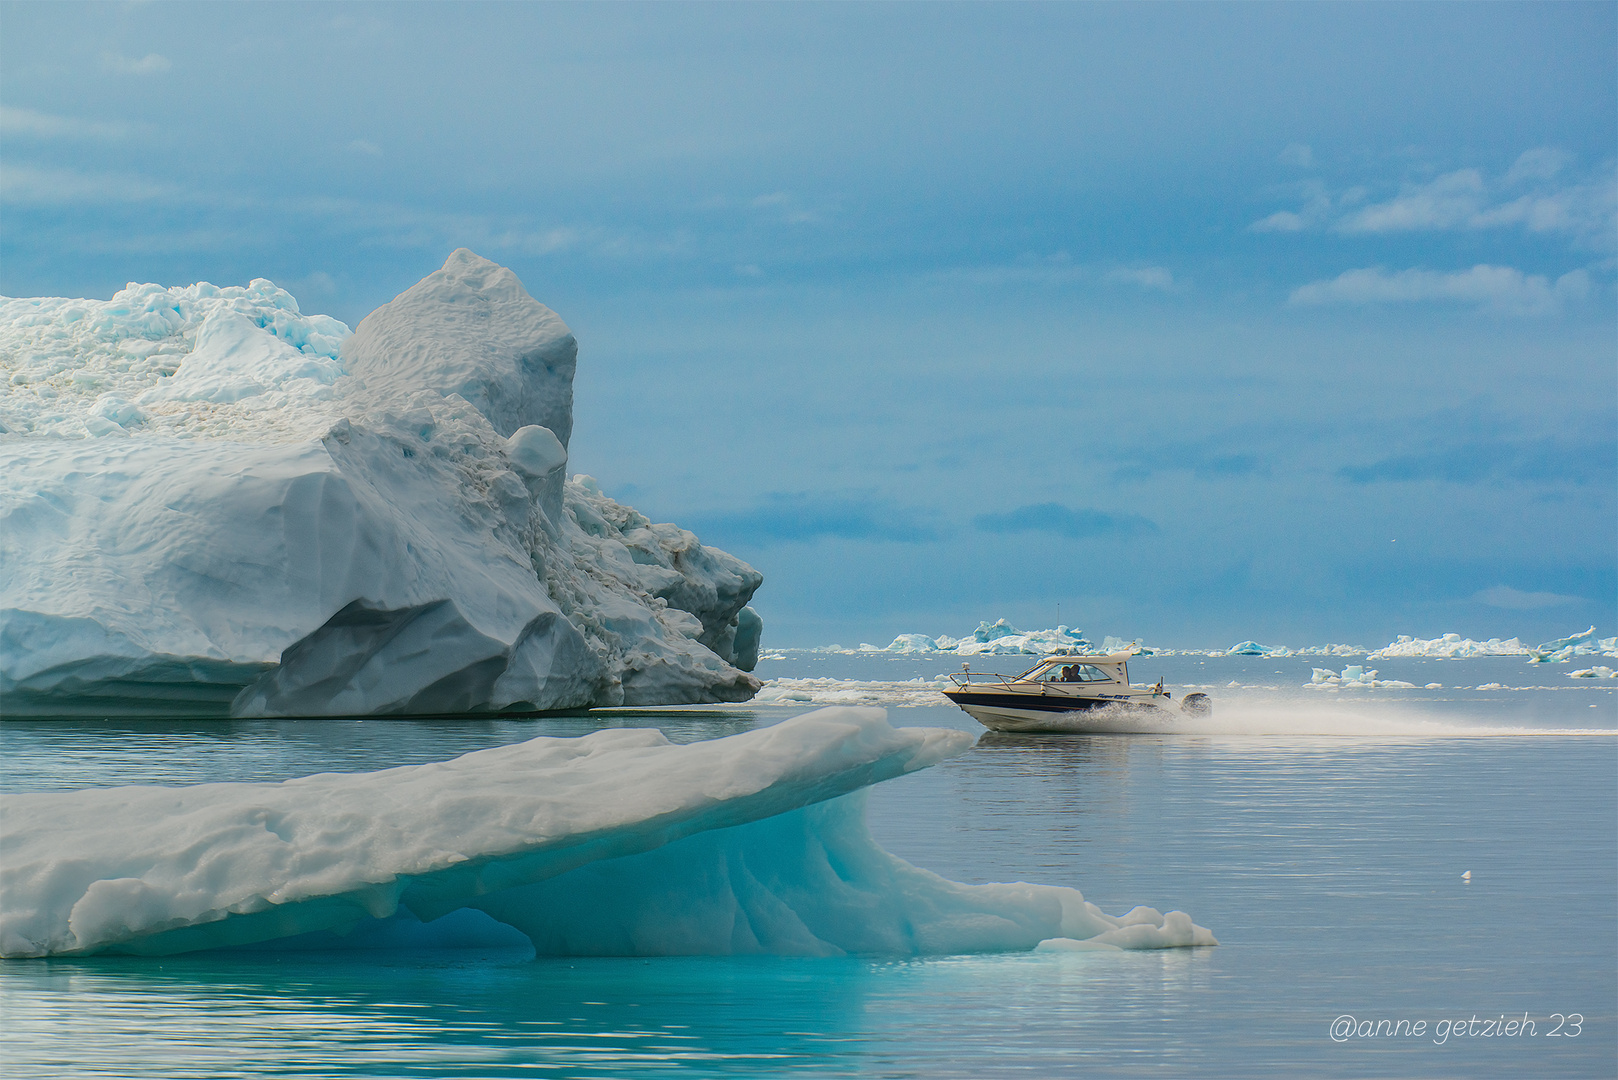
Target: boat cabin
(1113,668)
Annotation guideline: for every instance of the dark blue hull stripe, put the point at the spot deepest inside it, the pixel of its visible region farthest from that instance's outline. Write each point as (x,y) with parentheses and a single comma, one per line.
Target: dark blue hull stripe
(1030,703)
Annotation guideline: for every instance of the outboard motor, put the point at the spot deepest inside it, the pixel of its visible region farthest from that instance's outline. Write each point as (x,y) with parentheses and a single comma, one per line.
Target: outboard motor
(1197,705)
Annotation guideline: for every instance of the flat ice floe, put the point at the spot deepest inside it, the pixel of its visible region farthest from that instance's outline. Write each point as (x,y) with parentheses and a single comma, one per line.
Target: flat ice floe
(617,843)
(213,504)
(823,691)
(1355,676)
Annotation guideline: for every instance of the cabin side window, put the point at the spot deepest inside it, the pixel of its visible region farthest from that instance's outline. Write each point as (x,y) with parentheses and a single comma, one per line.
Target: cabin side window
(1074,673)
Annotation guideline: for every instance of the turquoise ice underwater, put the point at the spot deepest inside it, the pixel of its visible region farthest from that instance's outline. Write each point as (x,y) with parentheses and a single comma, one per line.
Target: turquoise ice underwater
(1329,866)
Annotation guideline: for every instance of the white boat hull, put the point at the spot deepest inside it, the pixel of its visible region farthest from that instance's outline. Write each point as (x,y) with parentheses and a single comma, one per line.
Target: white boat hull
(1111,717)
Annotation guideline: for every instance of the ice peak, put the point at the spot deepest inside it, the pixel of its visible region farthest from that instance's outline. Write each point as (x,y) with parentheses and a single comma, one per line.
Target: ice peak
(470,328)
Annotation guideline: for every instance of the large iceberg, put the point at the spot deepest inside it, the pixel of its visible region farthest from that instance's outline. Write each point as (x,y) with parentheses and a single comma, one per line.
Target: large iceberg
(1562,650)
(213,504)
(617,843)
(1449,647)
(1253,648)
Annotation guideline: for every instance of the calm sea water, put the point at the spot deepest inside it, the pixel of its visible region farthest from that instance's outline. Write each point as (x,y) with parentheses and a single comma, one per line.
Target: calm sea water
(1329,865)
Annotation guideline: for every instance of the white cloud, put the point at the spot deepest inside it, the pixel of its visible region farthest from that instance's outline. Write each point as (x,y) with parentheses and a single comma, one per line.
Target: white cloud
(404,227)
(1442,204)
(30,124)
(787,207)
(1027,269)
(1584,208)
(146,244)
(1502,289)
(1299,154)
(1504,596)
(378,223)
(28,184)
(1317,207)
(1573,285)
(546,241)
(150,64)
(1281,221)
(1009,274)
(1058,268)
(1149,277)
(318,283)
(1467,199)
(364,146)
(1540,163)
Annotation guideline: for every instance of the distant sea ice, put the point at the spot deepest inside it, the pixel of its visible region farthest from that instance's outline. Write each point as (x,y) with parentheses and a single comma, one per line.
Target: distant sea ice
(1001,638)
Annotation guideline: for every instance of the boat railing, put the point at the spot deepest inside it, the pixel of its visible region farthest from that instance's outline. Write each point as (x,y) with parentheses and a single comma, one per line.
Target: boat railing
(964,678)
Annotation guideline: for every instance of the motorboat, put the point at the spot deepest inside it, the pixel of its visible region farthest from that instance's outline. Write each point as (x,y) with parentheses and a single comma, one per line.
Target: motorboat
(1078,692)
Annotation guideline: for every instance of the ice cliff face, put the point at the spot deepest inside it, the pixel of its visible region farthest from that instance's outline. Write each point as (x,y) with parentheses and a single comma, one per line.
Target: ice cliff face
(212,504)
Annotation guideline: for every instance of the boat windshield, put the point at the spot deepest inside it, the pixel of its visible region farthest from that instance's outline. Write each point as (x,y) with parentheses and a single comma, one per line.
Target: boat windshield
(1072,673)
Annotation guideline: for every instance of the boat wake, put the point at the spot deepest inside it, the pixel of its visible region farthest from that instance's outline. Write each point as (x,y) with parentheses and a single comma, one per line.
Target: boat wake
(1237,711)
(1249,717)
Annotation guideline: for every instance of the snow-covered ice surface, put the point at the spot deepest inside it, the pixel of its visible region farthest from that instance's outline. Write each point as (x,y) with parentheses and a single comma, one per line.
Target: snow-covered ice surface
(827,691)
(617,843)
(212,504)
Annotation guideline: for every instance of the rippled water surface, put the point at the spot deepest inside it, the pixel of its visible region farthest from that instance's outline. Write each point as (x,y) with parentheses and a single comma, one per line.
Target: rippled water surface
(1329,865)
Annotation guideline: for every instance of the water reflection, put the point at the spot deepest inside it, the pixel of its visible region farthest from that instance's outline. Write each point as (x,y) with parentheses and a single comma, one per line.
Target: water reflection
(59,754)
(461,1014)
(1061,745)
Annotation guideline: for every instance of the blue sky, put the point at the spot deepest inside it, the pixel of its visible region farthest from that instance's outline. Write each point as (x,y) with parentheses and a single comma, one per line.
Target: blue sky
(1293,322)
